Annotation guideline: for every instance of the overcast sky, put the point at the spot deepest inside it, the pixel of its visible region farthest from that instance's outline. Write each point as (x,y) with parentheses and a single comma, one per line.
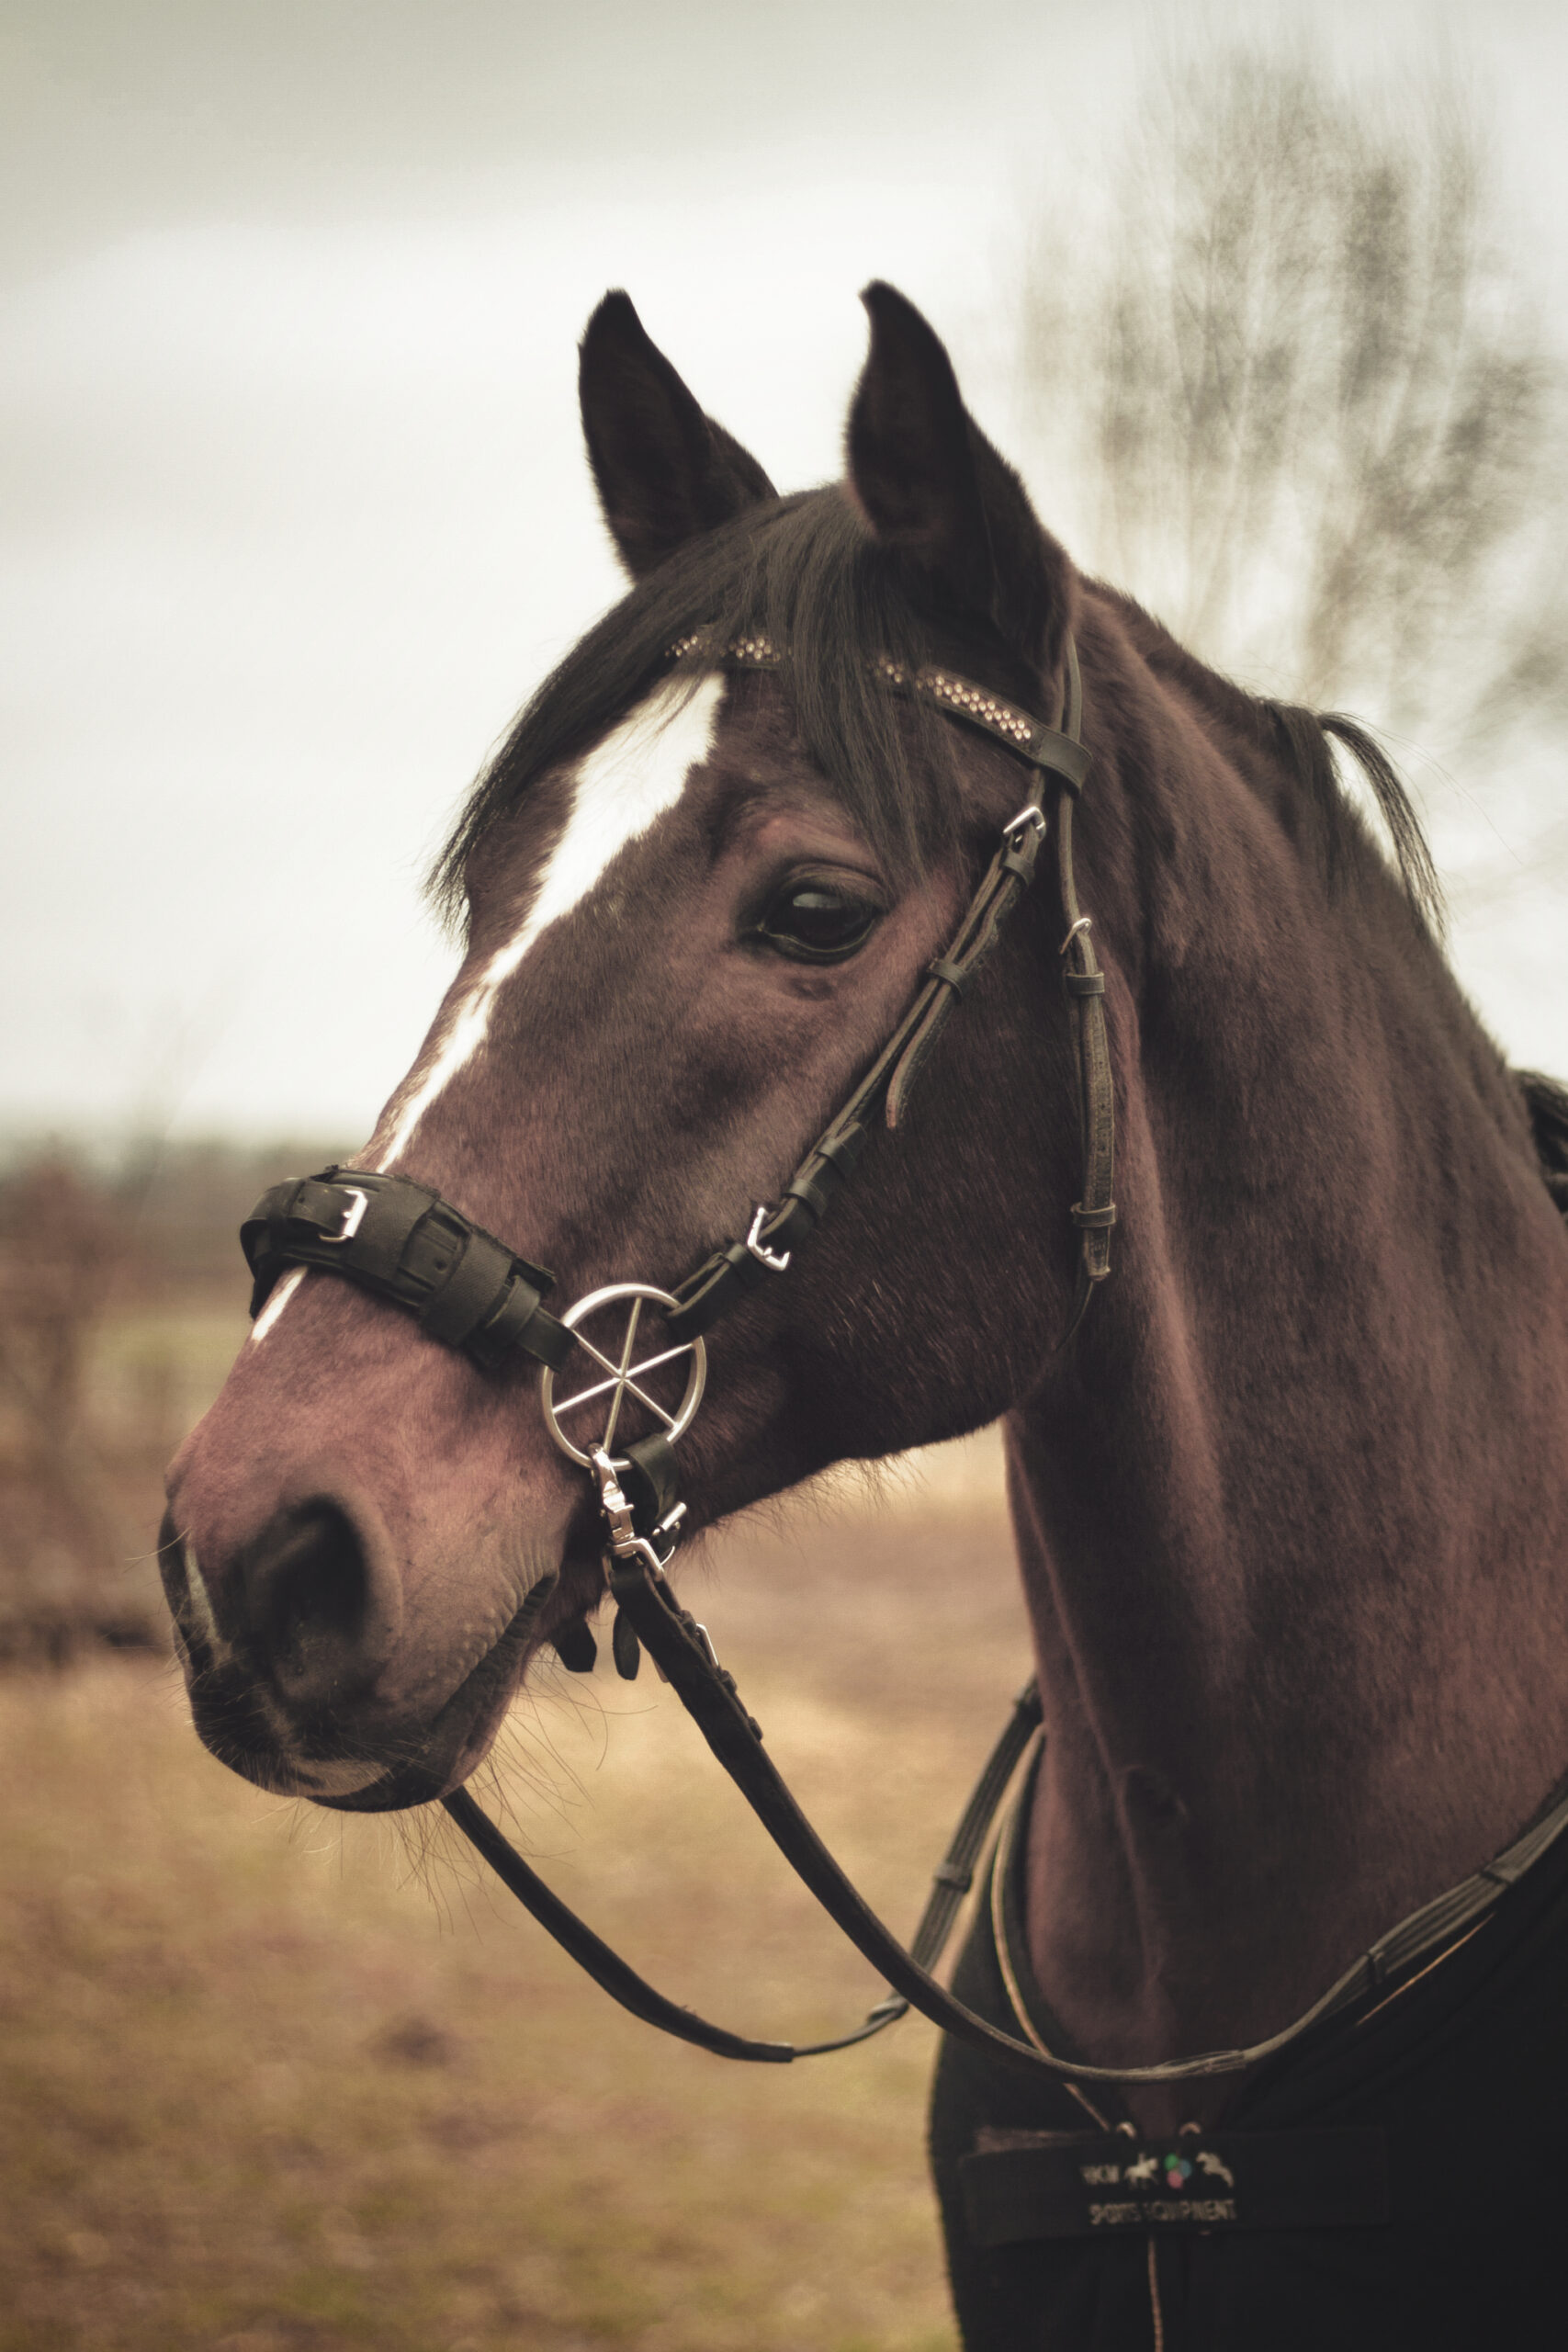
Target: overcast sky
(294,508)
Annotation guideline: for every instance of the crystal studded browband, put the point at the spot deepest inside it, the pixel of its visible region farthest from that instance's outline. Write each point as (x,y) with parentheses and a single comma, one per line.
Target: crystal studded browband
(960,697)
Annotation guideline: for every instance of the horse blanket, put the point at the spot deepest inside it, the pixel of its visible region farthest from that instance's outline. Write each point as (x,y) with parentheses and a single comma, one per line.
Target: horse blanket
(1397,2177)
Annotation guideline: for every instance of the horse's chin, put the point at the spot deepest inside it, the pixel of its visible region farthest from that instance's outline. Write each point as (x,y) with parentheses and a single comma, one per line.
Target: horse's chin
(390,1769)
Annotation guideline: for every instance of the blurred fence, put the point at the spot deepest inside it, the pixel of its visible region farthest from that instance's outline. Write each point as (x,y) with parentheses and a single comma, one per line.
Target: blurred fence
(122,1298)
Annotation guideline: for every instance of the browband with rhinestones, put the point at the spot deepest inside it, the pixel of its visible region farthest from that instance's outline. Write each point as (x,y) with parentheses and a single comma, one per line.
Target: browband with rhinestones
(960,697)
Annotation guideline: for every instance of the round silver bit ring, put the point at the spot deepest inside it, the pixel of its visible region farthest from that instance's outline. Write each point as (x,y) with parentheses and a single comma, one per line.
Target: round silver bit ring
(621,1377)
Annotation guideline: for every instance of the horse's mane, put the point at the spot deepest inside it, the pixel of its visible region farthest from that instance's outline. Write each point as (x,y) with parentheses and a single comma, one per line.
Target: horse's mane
(1288,736)
(1305,737)
(1546,1100)
(805,573)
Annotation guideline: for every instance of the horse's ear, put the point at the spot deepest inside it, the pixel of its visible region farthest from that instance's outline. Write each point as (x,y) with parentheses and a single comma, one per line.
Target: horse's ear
(930,483)
(665,472)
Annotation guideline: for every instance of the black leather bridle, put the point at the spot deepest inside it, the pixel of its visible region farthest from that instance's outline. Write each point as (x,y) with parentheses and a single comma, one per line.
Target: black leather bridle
(469,1291)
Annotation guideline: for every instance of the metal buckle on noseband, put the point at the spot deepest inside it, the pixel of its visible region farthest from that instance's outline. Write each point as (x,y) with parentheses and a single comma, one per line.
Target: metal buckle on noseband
(405,1243)
(358,1201)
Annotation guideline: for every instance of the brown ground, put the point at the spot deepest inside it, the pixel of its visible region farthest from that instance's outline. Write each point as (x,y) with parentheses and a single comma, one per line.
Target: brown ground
(267,2084)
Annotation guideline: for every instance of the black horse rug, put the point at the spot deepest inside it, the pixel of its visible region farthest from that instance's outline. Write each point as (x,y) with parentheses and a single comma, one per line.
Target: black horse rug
(1399,2178)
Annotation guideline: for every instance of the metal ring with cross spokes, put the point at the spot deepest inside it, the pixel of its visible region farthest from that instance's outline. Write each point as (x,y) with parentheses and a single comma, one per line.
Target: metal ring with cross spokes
(623,1376)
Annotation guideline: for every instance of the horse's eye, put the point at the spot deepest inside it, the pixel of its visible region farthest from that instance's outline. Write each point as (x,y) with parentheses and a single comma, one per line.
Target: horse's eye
(815,924)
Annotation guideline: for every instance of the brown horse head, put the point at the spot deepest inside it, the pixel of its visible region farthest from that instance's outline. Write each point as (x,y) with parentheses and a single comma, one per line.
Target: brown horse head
(696,902)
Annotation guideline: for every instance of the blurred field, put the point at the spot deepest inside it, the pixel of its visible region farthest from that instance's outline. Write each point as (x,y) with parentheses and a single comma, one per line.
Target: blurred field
(272,2081)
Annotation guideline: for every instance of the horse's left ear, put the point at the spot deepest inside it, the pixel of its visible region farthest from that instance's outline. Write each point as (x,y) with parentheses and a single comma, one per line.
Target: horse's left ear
(930,483)
(665,472)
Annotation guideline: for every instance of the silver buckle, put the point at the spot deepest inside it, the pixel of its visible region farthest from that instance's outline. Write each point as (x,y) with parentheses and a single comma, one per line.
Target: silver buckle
(352,1215)
(776,1261)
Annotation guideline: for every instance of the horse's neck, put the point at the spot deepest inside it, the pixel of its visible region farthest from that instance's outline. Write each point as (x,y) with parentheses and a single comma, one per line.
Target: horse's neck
(1294,1522)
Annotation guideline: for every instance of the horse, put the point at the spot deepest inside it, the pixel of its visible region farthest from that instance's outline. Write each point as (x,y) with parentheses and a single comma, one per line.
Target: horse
(1286,1422)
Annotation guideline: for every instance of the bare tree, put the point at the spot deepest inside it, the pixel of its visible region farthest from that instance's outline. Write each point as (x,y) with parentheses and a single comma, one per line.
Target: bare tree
(1324,420)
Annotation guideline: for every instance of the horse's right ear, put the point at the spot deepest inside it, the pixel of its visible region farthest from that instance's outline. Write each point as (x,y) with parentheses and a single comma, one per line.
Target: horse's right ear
(665,472)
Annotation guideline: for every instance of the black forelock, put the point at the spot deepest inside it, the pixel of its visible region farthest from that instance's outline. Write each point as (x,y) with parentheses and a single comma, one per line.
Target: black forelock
(806,574)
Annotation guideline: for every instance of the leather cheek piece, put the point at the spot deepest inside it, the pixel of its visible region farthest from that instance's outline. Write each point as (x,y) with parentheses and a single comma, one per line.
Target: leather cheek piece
(729,1273)
(703,1296)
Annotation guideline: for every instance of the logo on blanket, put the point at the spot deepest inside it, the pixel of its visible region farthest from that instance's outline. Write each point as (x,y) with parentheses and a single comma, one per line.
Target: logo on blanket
(1157,2173)
(1148,2171)
(1020,2185)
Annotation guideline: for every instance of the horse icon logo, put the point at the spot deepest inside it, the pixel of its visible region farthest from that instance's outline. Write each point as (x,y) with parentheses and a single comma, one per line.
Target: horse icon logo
(1215,2165)
(1141,2175)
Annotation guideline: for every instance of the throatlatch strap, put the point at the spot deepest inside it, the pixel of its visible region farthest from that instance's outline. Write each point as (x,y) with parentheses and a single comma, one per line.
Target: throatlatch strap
(393,1236)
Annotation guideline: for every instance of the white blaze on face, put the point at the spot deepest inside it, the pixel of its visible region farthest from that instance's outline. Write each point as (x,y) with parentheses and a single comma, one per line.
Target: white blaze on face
(632,776)
(638,773)
(282,1291)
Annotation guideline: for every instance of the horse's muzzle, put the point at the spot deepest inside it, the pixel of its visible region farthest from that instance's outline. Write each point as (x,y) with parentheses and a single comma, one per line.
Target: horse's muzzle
(286,1667)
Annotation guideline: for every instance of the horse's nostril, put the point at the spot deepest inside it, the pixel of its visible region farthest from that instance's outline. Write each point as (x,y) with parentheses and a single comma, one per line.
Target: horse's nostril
(316,1617)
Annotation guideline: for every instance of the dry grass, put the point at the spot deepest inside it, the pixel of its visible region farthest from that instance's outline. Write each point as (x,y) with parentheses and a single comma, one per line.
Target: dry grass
(267,2086)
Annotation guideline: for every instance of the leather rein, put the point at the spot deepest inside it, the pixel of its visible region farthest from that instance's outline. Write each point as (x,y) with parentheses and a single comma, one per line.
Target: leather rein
(469,1291)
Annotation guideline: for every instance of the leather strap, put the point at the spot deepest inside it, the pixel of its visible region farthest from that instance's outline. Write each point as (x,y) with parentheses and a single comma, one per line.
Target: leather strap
(1058,750)
(684,1656)
(735,1268)
(1094,1212)
(1450,1918)
(959,697)
(950,1882)
(407,1244)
